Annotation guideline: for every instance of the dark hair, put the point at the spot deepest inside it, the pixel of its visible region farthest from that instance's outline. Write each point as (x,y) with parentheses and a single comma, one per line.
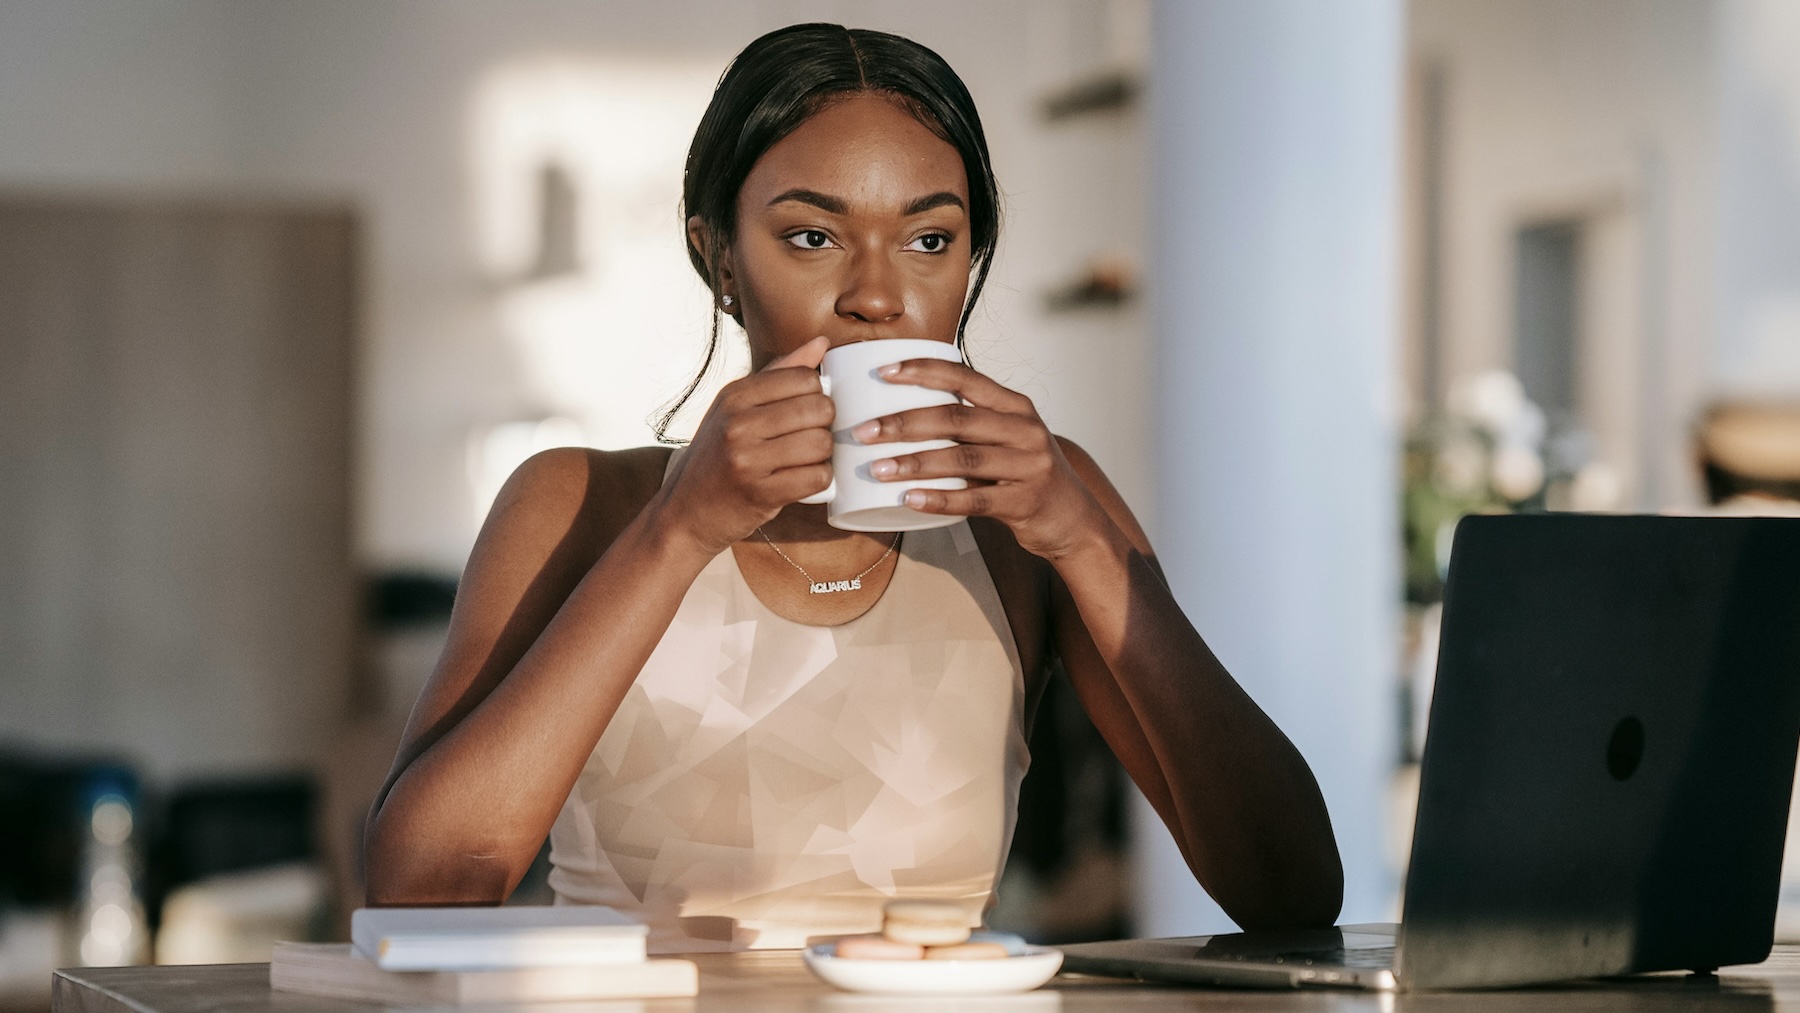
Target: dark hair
(780,81)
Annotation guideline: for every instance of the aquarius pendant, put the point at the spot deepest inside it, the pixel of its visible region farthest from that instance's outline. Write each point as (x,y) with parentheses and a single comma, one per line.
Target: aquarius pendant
(831,586)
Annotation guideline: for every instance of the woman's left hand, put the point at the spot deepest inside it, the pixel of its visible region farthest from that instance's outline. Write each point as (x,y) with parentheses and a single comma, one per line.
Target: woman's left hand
(1017,473)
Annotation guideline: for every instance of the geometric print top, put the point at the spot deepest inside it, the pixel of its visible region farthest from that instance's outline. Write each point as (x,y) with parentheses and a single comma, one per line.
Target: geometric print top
(766,781)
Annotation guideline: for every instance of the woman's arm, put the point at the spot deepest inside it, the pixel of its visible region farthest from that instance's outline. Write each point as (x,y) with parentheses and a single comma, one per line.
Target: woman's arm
(1238,797)
(569,589)
(541,651)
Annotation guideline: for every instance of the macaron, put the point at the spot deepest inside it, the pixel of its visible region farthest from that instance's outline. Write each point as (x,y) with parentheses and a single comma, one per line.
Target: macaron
(967,951)
(925,922)
(877,948)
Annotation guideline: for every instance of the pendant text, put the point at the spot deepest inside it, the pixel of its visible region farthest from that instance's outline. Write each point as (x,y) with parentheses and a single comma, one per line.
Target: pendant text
(830,586)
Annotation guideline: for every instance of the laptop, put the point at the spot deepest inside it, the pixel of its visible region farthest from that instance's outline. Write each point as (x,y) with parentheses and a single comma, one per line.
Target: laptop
(1607,769)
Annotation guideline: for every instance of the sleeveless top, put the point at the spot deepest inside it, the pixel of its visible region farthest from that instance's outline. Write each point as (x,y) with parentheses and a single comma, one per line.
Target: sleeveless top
(766,781)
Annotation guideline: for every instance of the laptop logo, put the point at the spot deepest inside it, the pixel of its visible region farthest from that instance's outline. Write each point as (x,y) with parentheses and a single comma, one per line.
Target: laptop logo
(1625,750)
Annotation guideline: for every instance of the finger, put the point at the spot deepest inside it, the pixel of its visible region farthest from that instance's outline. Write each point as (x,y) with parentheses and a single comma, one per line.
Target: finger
(975,501)
(778,418)
(808,446)
(973,387)
(808,355)
(960,422)
(772,385)
(791,485)
(965,460)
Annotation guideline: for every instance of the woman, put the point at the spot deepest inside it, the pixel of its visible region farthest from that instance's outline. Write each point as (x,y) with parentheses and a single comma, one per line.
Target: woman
(636,666)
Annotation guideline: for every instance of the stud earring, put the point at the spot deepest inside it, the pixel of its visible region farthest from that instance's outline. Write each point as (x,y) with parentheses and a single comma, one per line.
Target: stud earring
(726,301)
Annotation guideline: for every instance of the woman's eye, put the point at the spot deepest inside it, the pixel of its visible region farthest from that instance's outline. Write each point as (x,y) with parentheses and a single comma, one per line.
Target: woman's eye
(811,239)
(934,242)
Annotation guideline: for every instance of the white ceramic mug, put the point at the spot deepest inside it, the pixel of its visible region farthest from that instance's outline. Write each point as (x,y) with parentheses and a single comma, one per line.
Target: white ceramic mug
(859,501)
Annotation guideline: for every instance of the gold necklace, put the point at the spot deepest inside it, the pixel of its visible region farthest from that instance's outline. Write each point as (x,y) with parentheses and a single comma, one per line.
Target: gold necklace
(830,586)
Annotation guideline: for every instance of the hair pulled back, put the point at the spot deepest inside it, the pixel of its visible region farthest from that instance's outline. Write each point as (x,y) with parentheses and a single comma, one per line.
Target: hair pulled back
(780,81)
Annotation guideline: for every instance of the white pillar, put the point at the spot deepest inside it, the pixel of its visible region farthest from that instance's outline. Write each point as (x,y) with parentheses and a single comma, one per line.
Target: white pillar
(1274,129)
(1756,348)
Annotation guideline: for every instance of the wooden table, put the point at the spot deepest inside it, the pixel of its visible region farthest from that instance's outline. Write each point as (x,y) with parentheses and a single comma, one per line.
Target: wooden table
(776,980)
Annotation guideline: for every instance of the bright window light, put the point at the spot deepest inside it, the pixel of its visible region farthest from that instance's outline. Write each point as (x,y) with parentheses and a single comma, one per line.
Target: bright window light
(577,184)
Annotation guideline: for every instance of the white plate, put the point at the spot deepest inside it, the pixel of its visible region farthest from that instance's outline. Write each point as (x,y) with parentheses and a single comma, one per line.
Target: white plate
(1026,969)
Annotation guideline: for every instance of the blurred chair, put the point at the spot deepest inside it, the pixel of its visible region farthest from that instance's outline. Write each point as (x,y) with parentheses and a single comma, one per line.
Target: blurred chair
(238,917)
(38,852)
(236,868)
(1749,456)
(230,826)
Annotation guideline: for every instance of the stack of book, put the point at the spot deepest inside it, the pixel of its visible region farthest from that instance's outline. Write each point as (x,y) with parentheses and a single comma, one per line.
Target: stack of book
(483,955)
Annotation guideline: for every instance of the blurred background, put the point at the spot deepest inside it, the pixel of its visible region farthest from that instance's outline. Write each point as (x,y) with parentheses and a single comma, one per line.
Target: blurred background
(288,288)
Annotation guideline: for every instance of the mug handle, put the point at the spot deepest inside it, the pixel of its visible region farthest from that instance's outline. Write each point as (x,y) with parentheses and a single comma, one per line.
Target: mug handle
(830,491)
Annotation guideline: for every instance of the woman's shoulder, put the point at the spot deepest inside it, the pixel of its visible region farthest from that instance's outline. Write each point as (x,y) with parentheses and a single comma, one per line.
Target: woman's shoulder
(588,494)
(590,475)
(634,466)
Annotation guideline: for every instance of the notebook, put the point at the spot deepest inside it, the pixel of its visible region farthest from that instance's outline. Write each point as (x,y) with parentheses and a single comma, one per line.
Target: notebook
(489,938)
(334,970)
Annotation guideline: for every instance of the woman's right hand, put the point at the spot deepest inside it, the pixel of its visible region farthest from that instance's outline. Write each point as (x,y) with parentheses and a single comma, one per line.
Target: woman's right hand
(764,443)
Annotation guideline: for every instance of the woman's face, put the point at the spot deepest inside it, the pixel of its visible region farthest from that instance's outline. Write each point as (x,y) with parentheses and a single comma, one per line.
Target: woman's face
(854,226)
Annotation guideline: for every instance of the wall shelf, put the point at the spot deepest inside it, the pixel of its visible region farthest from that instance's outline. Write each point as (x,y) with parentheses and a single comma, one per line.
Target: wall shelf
(1107,282)
(1110,91)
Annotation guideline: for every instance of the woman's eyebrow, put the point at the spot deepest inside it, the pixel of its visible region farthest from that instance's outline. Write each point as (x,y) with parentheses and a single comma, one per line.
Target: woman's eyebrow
(822,201)
(838,206)
(943,198)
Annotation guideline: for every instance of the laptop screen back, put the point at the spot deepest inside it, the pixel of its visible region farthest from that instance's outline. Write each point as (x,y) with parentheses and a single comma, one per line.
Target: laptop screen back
(1610,751)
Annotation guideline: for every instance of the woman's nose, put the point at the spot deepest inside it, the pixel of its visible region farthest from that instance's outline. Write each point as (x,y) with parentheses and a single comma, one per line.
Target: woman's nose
(872,291)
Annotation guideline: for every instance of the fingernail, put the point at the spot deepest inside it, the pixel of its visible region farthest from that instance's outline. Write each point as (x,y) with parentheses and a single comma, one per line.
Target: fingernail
(915,499)
(867,431)
(882,469)
(889,371)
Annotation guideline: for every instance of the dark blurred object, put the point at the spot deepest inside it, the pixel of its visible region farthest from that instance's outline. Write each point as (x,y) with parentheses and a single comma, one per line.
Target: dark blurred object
(45,807)
(1103,93)
(1750,450)
(1105,282)
(403,600)
(404,617)
(559,233)
(1071,831)
(232,826)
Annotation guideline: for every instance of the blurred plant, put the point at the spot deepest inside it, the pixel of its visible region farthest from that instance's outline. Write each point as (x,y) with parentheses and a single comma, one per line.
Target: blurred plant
(1489,451)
